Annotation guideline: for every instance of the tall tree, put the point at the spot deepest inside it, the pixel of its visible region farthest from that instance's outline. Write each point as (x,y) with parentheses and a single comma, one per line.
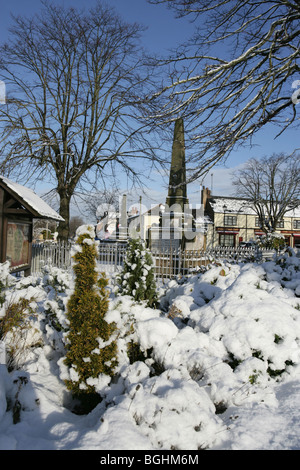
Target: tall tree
(272,185)
(73,79)
(239,72)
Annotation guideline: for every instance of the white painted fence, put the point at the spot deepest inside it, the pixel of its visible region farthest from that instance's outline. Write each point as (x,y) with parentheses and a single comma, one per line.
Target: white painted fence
(54,254)
(167,263)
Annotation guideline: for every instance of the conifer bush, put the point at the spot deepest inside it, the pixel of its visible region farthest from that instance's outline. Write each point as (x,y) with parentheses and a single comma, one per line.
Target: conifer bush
(91,349)
(137,277)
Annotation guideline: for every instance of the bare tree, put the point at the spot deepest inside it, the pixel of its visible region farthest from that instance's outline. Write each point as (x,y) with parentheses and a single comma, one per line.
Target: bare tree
(96,204)
(73,81)
(272,185)
(239,72)
(75,222)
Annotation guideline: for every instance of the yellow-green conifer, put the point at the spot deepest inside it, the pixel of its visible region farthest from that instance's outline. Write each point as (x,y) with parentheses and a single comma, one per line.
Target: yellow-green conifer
(91,350)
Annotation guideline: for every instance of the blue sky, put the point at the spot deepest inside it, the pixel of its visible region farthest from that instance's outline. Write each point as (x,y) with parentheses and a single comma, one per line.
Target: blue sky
(163,33)
(163,29)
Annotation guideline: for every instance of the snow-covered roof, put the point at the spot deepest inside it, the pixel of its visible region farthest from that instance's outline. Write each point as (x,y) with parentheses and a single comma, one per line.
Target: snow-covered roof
(242,206)
(235,205)
(30,200)
(293,213)
(203,220)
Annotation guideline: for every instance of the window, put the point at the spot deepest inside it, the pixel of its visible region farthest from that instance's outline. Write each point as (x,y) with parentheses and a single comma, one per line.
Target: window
(280,223)
(258,222)
(227,240)
(230,220)
(297,224)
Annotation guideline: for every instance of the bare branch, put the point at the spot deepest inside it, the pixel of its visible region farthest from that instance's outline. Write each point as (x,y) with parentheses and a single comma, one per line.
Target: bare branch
(233,77)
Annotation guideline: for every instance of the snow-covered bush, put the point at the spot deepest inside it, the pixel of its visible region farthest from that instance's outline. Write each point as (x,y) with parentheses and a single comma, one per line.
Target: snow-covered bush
(128,315)
(19,325)
(6,281)
(57,284)
(91,348)
(159,403)
(137,277)
(246,316)
(285,270)
(57,278)
(271,240)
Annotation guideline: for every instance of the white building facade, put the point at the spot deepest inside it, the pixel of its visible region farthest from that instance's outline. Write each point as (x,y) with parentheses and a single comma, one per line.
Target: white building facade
(233,221)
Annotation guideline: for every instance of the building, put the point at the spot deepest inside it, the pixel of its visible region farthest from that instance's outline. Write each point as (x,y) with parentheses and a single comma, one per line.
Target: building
(140,222)
(19,206)
(233,221)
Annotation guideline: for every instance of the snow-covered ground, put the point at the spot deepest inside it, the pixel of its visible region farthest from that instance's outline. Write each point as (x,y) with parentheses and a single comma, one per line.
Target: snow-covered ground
(221,369)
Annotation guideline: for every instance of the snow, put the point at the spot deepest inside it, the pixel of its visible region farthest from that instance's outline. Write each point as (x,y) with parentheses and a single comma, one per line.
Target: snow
(221,368)
(241,206)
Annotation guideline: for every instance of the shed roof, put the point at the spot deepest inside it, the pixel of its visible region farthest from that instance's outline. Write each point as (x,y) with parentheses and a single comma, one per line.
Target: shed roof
(30,200)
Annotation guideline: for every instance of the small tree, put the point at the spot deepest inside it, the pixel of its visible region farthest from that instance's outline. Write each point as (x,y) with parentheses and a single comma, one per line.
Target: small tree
(91,349)
(274,241)
(137,278)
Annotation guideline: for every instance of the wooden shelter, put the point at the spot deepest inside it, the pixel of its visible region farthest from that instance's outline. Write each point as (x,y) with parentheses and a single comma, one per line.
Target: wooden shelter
(18,207)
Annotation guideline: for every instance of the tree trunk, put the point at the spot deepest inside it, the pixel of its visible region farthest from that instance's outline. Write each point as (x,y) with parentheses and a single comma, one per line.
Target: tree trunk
(64,211)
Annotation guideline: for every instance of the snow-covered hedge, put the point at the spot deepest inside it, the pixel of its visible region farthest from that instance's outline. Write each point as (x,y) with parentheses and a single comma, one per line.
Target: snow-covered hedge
(247,314)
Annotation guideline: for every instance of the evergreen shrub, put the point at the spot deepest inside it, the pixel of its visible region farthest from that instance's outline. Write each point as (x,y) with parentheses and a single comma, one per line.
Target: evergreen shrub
(91,348)
(137,277)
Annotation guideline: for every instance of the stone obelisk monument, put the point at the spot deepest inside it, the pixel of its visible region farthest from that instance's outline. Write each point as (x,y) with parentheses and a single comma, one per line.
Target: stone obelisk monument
(177,194)
(176,217)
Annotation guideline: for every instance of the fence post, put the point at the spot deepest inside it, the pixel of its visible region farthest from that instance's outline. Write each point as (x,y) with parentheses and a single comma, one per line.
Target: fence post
(2,353)
(116,256)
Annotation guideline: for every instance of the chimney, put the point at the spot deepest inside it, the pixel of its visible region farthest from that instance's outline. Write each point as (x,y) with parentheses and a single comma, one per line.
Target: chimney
(205,195)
